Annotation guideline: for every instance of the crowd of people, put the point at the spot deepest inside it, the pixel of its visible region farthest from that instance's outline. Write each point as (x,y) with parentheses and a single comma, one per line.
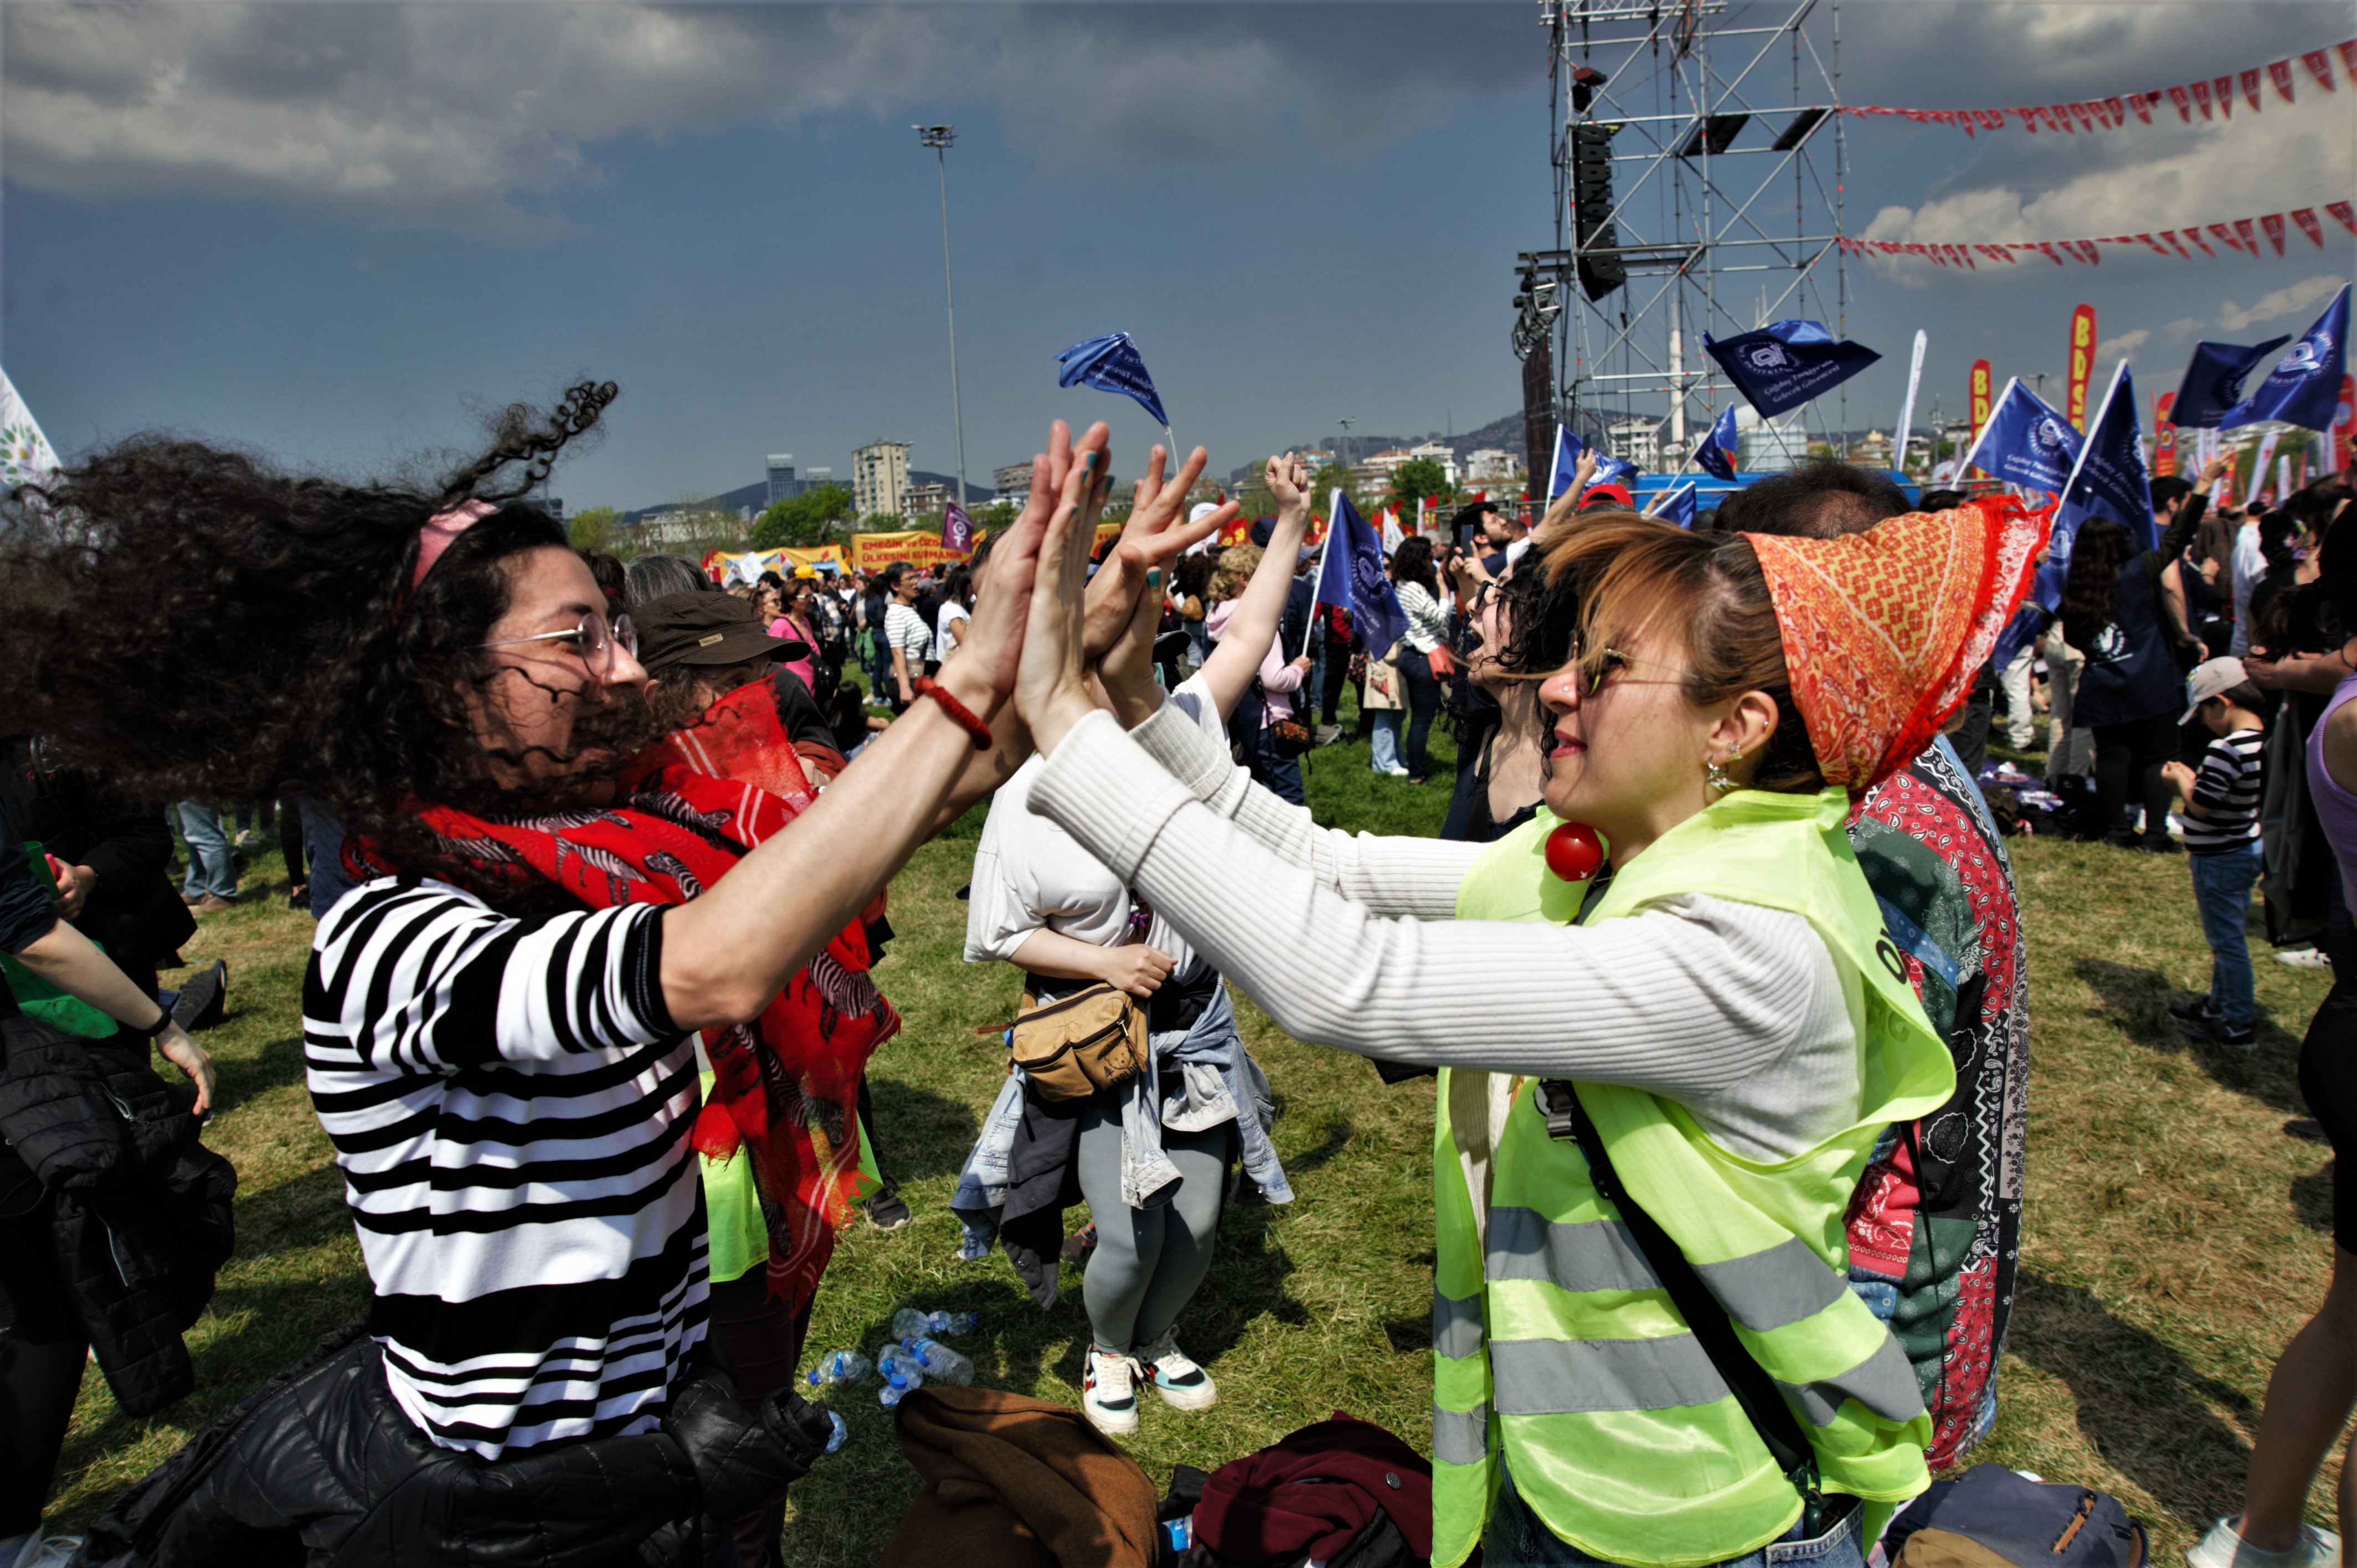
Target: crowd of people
(1728,1190)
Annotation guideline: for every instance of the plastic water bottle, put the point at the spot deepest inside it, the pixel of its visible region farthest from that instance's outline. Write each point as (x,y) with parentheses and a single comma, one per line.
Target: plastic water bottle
(899,1384)
(844,1367)
(895,1359)
(910,1324)
(841,1432)
(940,1363)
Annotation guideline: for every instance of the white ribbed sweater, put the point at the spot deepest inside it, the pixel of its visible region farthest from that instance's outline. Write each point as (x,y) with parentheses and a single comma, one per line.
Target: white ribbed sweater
(1734,1011)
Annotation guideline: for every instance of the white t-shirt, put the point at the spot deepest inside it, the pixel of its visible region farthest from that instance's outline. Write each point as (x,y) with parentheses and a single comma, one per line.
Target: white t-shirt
(1029,872)
(905,629)
(2247,564)
(949,629)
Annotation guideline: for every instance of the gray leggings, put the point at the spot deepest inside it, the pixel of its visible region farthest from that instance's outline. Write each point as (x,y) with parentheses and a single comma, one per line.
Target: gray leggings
(1148,1261)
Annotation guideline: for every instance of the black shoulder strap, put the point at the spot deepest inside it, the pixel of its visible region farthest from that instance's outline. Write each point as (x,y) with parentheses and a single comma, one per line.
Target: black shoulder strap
(1772,1418)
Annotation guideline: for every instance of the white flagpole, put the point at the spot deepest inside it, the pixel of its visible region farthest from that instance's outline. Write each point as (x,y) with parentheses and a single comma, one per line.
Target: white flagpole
(1907,409)
(1317,578)
(1988,424)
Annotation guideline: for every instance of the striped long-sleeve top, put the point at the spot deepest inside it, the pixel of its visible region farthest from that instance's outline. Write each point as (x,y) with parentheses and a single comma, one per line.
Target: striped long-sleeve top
(510,1105)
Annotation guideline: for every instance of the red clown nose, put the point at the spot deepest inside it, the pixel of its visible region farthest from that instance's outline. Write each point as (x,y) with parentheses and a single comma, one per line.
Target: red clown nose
(1574,851)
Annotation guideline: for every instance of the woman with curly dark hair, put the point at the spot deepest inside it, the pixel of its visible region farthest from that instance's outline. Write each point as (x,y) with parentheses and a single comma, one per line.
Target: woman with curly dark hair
(501,1026)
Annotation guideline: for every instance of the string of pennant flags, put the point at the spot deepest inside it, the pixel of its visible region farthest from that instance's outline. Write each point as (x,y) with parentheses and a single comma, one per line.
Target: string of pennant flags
(2242,235)
(2213,96)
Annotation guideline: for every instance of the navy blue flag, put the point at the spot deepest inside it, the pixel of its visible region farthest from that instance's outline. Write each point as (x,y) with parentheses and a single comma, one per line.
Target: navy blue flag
(1615,471)
(2025,442)
(1352,576)
(2305,386)
(1785,364)
(1567,448)
(2213,381)
(1678,506)
(2110,479)
(1717,455)
(1111,364)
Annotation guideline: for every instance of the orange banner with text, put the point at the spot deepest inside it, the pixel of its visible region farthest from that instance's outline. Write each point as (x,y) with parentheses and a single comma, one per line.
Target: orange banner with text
(2082,364)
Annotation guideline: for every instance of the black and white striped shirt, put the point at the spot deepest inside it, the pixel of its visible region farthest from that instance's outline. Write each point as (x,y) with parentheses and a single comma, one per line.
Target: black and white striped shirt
(510,1103)
(2227,786)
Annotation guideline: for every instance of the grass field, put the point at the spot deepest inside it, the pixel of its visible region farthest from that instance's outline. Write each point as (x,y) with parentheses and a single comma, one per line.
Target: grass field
(2174,1237)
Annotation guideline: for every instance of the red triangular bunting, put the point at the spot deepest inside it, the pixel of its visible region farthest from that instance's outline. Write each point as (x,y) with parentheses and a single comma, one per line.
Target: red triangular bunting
(2223,89)
(2226,237)
(2170,236)
(2201,91)
(2142,104)
(2345,213)
(2280,72)
(2153,243)
(2250,88)
(2119,115)
(2347,48)
(2245,233)
(2194,234)
(2176,96)
(2305,218)
(2059,115)
(2273,224)
(2320,66)
(2086,116)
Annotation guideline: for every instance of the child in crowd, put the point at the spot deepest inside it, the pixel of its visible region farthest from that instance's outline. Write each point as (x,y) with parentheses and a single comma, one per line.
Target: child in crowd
(2221,832)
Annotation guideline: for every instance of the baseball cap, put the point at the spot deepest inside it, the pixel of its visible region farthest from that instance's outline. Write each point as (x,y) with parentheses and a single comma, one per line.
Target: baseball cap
(1607,493)
(705,629)
(2211,678)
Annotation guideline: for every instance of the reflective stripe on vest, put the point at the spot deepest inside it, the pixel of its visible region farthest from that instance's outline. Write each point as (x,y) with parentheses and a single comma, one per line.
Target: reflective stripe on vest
(1571,1359)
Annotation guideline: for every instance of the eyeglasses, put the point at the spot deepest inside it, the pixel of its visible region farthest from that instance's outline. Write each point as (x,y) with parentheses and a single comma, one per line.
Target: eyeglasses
(593,639)
(1592,669)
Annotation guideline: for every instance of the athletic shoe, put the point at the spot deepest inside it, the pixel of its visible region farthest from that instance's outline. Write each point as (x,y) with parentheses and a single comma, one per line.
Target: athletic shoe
(886,1210)
(2193,1012)
(2213,1031)
(1178,1380)
(1109,1393)
(1393,772)
(2304,958)
(2224,1547)
(203,997)
(2306,1129)
(213,904)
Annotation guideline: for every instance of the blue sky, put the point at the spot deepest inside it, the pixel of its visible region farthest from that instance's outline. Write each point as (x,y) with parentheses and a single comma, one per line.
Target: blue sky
(336,233)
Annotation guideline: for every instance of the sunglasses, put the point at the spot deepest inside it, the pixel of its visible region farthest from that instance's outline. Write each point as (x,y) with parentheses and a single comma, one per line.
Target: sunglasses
(593,639)
(1592,669)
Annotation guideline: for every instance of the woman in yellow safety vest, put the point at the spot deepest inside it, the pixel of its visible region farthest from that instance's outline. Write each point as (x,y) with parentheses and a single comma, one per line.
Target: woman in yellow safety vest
(1722,1009)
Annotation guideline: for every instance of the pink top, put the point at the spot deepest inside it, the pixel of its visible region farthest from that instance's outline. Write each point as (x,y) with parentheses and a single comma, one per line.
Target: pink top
(1278,678)
(2336,809)
(807,666)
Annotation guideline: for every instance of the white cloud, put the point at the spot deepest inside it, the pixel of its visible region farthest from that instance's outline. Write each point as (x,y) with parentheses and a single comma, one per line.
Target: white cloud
(478,117)
(2292,301)
(2184,327)
(2125,345)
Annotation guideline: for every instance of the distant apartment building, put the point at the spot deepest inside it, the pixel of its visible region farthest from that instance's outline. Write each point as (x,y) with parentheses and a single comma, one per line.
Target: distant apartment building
(1012,483)
(1493,465)
(1636,441)
(928,500)
(785,482)
(1376,471)
(879,478)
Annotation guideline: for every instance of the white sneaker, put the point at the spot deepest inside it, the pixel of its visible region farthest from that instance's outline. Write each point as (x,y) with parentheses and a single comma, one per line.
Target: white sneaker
(1393,772)
(2224,1547)
(2304,958)
(1178,1380)
(47,1551)
(1109,1393)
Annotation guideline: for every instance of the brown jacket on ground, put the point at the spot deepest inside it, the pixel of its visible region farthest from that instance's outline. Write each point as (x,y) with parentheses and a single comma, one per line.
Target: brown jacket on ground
(1017,1483)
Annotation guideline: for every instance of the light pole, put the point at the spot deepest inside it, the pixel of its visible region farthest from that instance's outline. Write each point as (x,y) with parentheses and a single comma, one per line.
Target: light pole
(939,138)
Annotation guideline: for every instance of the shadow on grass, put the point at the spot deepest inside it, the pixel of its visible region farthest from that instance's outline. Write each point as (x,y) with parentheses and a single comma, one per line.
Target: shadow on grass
(2151,1416)
(2311,1199)
(239,1078)
(2137,1001)
(918,1132)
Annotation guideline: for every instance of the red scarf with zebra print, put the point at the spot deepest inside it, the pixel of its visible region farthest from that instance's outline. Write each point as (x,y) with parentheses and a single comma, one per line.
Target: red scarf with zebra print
(785,1087)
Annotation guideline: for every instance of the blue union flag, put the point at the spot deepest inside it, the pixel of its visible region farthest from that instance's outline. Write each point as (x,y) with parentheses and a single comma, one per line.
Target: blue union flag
(1352,576)
(1786,363)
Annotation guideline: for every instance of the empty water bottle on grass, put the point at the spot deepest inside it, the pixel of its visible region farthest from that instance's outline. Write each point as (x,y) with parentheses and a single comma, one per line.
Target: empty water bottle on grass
(941,1364)
(836,1439)
(844,1367)
(899,1384)
(909,1323)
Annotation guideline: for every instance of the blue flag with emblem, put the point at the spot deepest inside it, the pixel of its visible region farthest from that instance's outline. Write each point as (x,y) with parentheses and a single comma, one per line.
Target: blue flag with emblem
(1677,506)
(1786,363)
(1717,455)
(2304,389)
(2110,479)
(1567,448)
(1616,471)
(2025,442)
(2213,381)
(1111,364)
(1352,575)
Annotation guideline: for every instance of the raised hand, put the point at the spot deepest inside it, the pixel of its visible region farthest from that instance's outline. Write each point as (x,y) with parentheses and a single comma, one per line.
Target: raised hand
(993,638)
(1288,480)
(1157,533)
(1052,693)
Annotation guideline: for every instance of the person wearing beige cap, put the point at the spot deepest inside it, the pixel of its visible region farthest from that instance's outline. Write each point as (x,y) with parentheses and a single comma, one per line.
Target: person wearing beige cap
(2221,838)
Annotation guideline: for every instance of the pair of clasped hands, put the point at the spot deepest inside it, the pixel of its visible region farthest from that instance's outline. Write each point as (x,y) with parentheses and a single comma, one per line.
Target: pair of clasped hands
(1060,643)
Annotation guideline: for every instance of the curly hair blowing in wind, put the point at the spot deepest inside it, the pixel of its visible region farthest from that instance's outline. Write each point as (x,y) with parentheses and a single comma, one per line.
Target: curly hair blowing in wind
(280,648)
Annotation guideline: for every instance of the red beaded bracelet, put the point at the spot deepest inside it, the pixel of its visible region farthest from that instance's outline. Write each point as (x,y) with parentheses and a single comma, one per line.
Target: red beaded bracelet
(926,686)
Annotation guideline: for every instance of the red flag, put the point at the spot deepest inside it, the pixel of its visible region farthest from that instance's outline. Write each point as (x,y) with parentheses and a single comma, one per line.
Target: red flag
(2347,48)
(2170,236)
(1970,264)
(2320,66)
(2201,91)
(2345,213)
(2085,118)
(2223,89)
(2176,96)
(2047,248)
(2250,88)
(2088,253)
(2273,224)
(2305,218)
(2061,114)
(2281,71)
(2119,115)
(2153,243)
(2194,234)
(1990,118)
(2142,104)
(2244,232)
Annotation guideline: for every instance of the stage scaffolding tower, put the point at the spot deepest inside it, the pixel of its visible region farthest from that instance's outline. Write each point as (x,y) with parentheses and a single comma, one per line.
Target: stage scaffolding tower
(1698,155)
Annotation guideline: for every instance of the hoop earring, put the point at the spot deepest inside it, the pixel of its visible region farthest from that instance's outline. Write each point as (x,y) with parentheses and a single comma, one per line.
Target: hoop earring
(1715,776)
